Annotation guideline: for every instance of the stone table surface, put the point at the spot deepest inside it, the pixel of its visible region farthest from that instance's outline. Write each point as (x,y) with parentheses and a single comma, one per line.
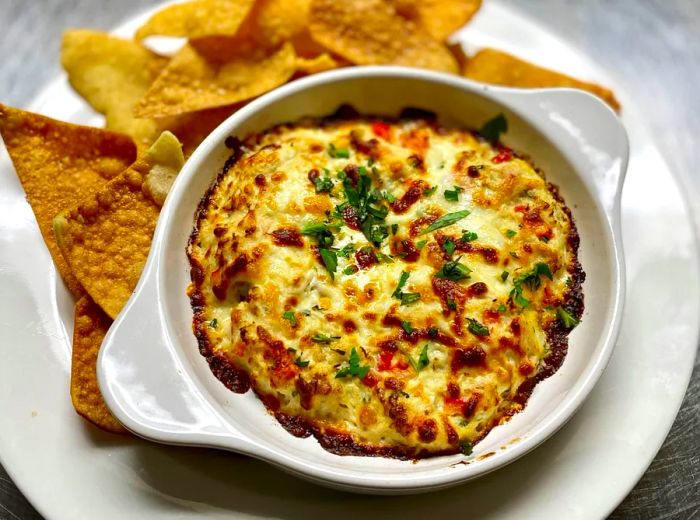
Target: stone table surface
(651,48)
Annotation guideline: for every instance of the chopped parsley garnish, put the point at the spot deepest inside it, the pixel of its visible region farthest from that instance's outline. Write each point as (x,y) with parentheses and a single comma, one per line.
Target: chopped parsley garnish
(468,236)
(493,128)
(530,279)
(321,232)
(369,213)
(345,251)
(466,447)
(476,328)
(504,276)
(566,318)
(322,338)
(454,271)
(353,368)
(544,239)
(453,194)
(502,309)
(389,197)
(446,220)
(421,244)
(394,228)
(338,153)
(409,298)
(406,326)
(429,191)
(386,259)
(351,269)
(568,281)
(300,362)
(330,260)
(323,184)
(213,323)
(423,360)
(451,304)
(510,233)
(291,317)
(449,247)
(402,282)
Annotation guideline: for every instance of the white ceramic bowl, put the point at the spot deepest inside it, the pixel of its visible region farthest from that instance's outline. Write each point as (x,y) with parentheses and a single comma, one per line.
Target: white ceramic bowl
(157,384)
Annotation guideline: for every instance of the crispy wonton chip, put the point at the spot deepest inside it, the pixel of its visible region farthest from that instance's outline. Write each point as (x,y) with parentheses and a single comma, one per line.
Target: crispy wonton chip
(197,19)
(198,79)
(106,237)
(112,75)
(59,164)
(367,32)
(439,18)
(89,330)
(500,68)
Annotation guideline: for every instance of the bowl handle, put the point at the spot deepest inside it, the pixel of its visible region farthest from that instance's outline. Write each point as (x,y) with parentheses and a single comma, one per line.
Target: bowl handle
(144,384)
(593,134)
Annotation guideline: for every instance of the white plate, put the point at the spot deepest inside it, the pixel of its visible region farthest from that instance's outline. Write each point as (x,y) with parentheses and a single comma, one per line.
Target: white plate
(70,470)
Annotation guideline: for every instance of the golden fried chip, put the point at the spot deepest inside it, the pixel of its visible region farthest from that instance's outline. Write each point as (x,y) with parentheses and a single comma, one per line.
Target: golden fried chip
(106,237)
(197,19)
(274,22)
(198,79)
(112,75)
(499,68)
(439,18)
(167,160)
(318,64)
(192,128)
(59,164)
(89,330)
(367,32)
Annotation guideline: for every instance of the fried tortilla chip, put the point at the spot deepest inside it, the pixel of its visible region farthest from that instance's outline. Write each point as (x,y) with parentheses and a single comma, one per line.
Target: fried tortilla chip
(439,18)
(214,75)
(89,330)
(112,75)
(318,64)
(197,19)
(59,164)
(367,32)
(499,68)
(106,237)
(274,22)
(167,159)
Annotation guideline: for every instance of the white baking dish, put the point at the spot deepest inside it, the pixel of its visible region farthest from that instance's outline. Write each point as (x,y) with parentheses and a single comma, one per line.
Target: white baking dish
(156,382)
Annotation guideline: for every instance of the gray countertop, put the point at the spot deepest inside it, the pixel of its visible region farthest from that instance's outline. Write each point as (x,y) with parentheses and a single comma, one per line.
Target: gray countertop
(652,50)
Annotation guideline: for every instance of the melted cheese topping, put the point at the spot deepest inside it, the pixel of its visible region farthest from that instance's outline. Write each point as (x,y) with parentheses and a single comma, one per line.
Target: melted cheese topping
(343,350)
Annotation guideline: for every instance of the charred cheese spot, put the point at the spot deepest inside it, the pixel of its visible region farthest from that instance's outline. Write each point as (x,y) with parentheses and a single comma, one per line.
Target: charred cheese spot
(379,334)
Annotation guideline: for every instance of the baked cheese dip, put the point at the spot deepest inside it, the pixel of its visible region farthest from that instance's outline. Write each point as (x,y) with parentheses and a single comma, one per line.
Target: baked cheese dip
(391,286)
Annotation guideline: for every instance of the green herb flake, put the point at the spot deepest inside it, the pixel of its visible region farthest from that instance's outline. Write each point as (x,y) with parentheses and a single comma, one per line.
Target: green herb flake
(502,309)
(566,318)
(323,184)
(476,328)
(446,220)
(338,153)
(385,259)
(493,128)
(421,244)
(510,233)
(389,197)
(214,323)
(300,362)
(504,276)
(330,260)
(454,271)
(451,304)
(453,194)
(402,282)
(323,338)
(345,251)
(532,278)
(353,367)
(466,447)
(468,236)
(429,191)
(449,247)
(351,269)
(394,229)
(406,326)
(544,239)
(409,298)
(290,317)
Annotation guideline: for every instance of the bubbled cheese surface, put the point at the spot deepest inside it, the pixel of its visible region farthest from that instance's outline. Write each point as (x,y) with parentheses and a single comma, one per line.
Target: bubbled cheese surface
(336,348)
